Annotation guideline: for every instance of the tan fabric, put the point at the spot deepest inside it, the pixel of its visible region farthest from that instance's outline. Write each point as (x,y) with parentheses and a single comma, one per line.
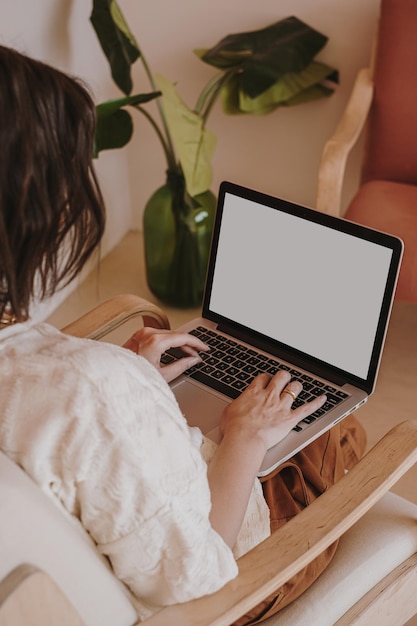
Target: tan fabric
(294,485)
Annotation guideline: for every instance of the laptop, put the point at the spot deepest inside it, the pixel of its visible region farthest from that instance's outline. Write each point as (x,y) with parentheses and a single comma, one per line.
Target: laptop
(289,288)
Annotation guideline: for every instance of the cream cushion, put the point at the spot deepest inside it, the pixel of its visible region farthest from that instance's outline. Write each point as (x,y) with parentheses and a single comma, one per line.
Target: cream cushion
(380,541)
(34,530)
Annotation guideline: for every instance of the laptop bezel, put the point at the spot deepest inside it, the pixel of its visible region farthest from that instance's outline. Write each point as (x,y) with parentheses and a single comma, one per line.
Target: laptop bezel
(276,348)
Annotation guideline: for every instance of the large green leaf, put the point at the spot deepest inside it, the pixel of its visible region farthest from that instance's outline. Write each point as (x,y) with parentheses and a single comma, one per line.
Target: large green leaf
(263,56)
(116,40)
(114,131)
(193,142)
(107,108)
(292,88)
(114,125)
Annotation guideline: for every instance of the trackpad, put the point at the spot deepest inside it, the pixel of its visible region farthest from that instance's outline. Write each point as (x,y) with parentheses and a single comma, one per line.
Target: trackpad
(200,407)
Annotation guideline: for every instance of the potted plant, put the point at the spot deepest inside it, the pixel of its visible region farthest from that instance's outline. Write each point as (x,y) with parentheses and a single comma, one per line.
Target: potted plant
(257,72)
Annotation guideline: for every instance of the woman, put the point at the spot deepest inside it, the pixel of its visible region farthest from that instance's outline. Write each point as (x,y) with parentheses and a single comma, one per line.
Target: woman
(96,425)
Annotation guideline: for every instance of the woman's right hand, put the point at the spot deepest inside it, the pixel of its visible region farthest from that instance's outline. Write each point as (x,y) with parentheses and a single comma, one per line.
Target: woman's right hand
(257,420)
(263,410)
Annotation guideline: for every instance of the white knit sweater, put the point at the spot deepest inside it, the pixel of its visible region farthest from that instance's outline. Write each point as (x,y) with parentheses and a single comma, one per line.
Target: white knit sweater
(100,431)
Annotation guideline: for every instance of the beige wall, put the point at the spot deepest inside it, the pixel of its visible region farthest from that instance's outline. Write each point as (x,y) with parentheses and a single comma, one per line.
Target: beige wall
(58,32)
(278,154)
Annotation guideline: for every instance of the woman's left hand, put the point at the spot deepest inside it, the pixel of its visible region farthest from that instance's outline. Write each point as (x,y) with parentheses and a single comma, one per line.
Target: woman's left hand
(151,343)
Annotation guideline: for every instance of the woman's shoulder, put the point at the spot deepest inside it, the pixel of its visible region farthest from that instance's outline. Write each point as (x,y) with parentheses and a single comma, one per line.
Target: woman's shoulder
(88,390)
(47,342)
(43,356)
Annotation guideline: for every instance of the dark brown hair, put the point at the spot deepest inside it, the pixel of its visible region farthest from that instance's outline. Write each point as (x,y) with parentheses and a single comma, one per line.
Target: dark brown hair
(51,209)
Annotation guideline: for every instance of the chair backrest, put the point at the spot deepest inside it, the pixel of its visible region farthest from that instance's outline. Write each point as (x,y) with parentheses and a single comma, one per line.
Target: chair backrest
(391,149)
(49,539)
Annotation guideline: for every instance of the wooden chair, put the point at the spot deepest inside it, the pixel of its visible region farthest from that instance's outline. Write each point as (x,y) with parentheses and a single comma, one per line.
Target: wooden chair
(51,573)
(384,102)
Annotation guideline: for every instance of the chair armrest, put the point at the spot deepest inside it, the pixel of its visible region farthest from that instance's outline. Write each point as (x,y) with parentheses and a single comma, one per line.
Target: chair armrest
(114,312)
(337,148)
(376,605)
(28,595)
(270,564)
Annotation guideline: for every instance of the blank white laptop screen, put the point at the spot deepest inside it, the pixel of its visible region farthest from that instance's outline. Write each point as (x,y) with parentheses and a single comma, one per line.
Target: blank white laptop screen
(303,284)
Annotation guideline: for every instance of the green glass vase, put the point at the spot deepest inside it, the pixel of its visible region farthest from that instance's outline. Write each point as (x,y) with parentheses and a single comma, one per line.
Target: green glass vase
(177,235)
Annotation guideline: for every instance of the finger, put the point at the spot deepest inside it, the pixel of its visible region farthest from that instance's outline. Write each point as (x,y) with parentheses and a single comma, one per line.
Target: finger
(261,380)
(174,369)
(291,391)
(184,341)
(309,407)
(189,351)
(278,381)
(168,339)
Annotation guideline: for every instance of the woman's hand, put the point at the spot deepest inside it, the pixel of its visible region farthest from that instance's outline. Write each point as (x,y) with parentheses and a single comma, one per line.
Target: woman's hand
(258,419)
(151,343)
(263,410)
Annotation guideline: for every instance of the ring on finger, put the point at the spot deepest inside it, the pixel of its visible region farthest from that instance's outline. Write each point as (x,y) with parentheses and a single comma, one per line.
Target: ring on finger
(290,392)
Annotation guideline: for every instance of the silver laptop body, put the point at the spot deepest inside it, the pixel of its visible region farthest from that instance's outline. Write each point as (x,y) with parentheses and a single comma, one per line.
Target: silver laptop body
(288,287)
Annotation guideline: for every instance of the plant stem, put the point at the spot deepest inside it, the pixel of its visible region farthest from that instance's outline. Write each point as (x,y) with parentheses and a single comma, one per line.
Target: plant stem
(169,154)
(210,93)
(168,143)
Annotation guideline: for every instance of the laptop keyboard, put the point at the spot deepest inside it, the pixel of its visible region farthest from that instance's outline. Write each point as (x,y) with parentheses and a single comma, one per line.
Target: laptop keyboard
(230,366)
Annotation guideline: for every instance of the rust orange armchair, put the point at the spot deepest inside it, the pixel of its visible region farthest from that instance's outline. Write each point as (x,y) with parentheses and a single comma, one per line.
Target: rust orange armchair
(384,103)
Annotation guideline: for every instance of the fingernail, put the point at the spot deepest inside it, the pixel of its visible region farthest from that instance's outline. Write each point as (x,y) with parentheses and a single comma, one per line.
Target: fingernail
(195,360)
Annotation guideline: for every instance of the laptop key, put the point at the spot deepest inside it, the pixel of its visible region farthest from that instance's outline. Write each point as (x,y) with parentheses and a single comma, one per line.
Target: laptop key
(222,366)
(233,351)
(239,364)
(239,384)
(228,380)
(211,361)
(218,385)
(212,341)
(297,403)
(167,358)
(263,366)
(341,394)
(333,399)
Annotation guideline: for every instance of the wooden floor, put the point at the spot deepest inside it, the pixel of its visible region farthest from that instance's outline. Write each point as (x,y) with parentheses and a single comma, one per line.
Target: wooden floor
(394,400)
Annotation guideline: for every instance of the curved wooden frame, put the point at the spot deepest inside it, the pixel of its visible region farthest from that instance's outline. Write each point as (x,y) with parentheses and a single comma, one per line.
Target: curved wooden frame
(115,312)
(338,147)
